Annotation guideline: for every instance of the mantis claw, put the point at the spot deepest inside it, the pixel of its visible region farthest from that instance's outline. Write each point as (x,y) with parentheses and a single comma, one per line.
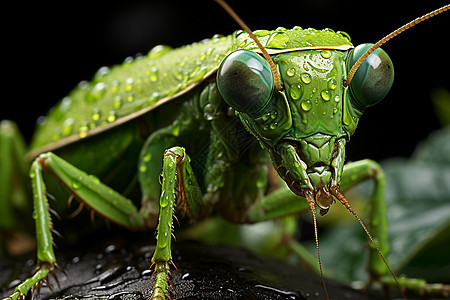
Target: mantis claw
(40,276)
(162,281)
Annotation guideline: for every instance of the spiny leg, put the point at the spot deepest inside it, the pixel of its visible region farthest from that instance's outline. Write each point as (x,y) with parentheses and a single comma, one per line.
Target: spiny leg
(85,187)
(357,172)
(177,175)
(354,173)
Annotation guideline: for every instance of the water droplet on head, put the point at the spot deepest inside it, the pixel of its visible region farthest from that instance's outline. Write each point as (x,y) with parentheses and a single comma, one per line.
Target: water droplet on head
(326,95)
(296,91)
(332,84)
(290,72)
(325,53)
(306,105)
(306,78)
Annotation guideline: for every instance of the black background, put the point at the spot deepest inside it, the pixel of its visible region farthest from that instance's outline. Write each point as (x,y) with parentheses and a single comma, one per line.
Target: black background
(48,48)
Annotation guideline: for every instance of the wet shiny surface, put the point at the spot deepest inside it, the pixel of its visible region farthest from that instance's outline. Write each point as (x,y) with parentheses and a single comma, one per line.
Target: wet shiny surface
(119,270)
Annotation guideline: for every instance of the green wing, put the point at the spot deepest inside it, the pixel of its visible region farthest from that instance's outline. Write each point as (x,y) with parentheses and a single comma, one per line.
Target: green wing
(125,91)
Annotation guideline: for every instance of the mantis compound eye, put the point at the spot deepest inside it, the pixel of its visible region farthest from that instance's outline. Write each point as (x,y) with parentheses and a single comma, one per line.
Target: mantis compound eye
(374,77)
(245,81)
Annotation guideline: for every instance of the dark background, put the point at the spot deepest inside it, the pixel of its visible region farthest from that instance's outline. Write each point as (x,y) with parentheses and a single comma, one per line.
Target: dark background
(48,48)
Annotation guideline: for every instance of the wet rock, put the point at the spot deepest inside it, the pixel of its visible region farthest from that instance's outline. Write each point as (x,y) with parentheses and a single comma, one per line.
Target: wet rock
(119,270)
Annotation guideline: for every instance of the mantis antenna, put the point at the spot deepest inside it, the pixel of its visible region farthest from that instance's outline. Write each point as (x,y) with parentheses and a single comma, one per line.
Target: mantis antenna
(355,67)
(244,26)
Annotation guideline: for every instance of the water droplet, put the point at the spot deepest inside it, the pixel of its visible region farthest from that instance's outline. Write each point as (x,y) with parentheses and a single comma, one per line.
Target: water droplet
(101,72)
(112,116)
(68,126)
(84,128)
(305,121)
(164,200)
(345,34)
(129,84)
(337,98)
(326,95)
(76,185)
(117,102)
(128,60)
(95,116)
(332,84)
(306,78)
(273,115)
(326,53)
(266,117)
(66,103)
(115,86)
(162,243)
(278,40)
(296,91)
(152,74)
(306,105)
(273,125)
(290,72)
(306,66)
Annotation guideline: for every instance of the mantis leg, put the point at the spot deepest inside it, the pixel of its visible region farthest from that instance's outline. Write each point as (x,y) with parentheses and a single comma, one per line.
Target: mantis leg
(88,189)
(177,175)
(368,169)
(13,179)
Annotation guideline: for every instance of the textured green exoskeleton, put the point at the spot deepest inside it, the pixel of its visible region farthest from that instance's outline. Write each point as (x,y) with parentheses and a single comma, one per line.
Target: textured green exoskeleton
(209,117)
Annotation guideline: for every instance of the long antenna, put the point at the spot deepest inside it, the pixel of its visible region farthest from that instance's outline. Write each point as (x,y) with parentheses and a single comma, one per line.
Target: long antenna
(355,67)
(244,26)
(310,200)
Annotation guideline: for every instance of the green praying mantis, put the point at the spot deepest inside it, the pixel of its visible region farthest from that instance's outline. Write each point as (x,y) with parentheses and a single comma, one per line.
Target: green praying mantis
(210,115)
